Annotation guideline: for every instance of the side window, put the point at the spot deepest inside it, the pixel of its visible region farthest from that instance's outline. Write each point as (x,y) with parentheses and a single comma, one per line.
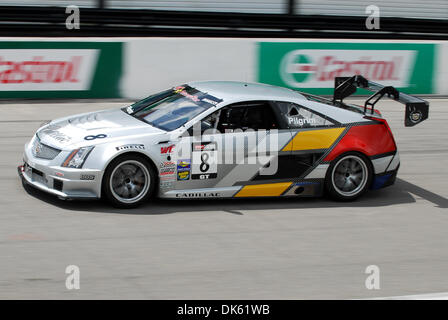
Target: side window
(244,116)
(210,122)
(298,117)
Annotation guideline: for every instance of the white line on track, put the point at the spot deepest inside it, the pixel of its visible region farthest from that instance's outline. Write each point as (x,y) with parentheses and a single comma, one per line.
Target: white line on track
(425,296)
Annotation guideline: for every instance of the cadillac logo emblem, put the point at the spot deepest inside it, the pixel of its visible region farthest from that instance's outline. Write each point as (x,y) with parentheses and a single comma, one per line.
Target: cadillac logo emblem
(415,116)
(37,147)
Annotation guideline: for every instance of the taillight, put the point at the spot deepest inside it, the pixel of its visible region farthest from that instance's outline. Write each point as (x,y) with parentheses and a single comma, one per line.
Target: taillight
(384,122)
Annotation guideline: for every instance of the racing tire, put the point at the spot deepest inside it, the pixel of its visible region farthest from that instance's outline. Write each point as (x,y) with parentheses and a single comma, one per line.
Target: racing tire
(348,176)
(129,181)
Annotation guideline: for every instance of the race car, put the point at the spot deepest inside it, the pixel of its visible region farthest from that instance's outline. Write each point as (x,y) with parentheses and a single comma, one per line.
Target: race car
(222,139)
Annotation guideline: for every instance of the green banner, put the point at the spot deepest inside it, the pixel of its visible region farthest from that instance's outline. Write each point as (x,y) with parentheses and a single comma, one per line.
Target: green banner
(54,69)
(312,66)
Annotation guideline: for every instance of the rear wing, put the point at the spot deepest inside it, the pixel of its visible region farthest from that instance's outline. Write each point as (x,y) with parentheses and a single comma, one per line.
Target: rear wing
(416,109)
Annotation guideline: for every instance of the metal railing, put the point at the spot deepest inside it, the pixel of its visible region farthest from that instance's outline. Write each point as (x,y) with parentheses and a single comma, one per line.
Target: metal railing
(50,21)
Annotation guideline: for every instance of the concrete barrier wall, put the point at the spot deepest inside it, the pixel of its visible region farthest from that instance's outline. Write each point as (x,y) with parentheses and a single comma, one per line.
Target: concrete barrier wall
(136,67)
(441,69)
(156,64)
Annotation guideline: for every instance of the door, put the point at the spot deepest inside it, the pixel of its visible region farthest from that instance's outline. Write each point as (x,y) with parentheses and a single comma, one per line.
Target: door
(312,135)
(234,146)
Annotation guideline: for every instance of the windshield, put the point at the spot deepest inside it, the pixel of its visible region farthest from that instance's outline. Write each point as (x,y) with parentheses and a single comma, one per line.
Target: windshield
(170,109)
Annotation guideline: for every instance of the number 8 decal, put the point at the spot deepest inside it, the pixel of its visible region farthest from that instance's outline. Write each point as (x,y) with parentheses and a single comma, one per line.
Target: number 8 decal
(204,160)
(204,165)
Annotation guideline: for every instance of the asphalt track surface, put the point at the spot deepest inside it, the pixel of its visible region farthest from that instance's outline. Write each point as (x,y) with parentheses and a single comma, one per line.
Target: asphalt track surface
(228,249)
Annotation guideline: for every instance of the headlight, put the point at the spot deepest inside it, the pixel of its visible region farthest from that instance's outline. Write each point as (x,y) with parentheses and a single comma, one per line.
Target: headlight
(77,157)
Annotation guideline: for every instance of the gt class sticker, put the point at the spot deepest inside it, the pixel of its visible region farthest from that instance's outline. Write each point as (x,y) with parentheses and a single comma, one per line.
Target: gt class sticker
(204,161)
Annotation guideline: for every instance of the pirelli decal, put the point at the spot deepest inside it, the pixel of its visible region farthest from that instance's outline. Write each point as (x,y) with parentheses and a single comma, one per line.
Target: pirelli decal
(264,190)
(314,139)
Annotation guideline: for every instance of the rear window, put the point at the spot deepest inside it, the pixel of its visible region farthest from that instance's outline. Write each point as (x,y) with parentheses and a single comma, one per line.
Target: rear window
(297,116)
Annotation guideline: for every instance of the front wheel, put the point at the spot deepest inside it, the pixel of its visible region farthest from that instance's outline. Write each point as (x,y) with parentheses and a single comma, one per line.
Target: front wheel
(128,181)
(348,176)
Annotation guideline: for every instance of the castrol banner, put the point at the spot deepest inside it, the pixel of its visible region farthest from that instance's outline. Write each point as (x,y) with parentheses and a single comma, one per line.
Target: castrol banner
(60,69)
(57,69)
(312,66)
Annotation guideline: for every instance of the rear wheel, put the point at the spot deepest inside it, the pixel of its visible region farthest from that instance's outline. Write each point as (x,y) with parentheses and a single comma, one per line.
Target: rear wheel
(348,176)
(128,181)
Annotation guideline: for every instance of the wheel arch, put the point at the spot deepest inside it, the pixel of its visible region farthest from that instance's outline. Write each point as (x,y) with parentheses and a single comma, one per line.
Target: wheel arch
(352,151)
(130,153)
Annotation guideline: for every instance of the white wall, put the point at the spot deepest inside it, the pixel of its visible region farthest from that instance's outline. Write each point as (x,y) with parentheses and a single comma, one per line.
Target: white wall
(442,70)
(158,63)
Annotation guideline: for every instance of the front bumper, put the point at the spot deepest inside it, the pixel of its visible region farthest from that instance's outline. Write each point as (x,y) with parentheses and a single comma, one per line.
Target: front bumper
(65,183)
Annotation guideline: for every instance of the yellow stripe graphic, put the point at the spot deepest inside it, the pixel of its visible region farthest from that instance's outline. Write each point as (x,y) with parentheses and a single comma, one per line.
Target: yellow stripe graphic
(263,190)
(313,139)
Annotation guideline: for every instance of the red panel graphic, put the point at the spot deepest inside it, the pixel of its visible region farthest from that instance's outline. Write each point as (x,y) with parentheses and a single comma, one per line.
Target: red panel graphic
(368,139)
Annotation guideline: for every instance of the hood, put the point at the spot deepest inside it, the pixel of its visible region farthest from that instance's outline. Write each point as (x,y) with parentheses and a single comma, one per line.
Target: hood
(93,128)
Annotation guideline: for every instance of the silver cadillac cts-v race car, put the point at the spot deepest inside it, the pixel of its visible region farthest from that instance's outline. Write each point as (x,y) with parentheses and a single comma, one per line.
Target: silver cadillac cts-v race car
(222,140)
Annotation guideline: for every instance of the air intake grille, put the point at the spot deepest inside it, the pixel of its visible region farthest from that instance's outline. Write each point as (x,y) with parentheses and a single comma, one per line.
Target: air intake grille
(43,151)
